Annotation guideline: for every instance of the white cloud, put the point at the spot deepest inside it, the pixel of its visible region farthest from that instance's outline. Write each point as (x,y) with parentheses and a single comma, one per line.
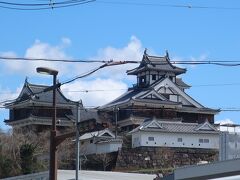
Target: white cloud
(8,54)
(8,95)
(109,78)
(132,51)
(203,57)
(226,128)
(224,121)
(66,42)
(192,60)
(39,50)
(100,91)
(44,50)
(11,66)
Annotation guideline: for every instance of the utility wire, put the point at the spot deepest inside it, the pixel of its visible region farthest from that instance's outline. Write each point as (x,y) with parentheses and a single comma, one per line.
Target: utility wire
(185,6)
(39,7)
(53,60)
(84,75)
(67,3)
(206,62)
(109,63)
(107,90)
(40,4)
(50,88)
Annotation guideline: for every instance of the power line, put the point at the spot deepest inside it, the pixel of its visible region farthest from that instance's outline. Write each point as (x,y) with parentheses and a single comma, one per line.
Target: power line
(62,60)
(68,3)
(106,90)
(185,6)
(206,62)
(50,88)
(43,6)
(52,60)
(110,63)
(84,75)
(77,91)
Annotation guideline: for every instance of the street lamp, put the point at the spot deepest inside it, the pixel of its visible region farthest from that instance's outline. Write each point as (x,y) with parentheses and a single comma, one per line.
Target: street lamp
(53,144)
(55,139)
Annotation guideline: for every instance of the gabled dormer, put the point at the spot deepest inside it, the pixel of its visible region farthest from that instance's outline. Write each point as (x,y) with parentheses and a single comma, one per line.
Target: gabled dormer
(206,126)
(150,124)
(155,68)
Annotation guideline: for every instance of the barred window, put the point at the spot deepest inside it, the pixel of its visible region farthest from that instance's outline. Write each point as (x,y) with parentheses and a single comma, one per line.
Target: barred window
(203,140)
(151,138)
(179,140)
(206,140)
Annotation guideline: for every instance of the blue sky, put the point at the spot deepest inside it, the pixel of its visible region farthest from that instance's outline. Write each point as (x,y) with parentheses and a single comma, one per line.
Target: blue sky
(106,31)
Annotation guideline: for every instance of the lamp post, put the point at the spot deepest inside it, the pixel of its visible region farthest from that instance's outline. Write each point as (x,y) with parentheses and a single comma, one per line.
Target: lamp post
(55,139)
(116,110)
(77,140)
(53,145)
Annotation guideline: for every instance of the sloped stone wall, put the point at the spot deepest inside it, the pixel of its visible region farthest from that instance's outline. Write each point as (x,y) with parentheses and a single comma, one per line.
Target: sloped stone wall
(162,157)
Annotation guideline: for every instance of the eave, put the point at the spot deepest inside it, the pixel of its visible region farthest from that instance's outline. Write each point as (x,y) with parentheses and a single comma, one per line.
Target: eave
(198,110)
(135,71)
(34,103)
(143,103)
(33,120)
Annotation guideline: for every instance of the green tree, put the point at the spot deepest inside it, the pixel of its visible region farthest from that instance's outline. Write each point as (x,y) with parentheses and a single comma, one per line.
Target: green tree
(27,158)
(6,165)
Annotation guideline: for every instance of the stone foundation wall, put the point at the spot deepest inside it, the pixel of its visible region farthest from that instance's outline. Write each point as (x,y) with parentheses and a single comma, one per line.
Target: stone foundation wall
(162,157)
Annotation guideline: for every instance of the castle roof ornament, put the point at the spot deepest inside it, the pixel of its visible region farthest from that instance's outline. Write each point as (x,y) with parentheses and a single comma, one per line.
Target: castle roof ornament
(145,51)
(156,63)
(167,55)
(26,79)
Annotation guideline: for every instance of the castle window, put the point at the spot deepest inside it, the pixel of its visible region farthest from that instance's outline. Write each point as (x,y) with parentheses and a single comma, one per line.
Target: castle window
(151,138)
(203,140)
(154,77)
(142,79)
(206,140)
(136,140)
(179,140)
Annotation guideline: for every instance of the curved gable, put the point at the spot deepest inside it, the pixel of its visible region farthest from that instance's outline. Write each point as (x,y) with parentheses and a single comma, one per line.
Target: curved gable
(173,88)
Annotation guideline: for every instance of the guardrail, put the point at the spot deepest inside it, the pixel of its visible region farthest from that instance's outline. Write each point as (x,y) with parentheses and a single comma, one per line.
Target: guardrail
(36,176)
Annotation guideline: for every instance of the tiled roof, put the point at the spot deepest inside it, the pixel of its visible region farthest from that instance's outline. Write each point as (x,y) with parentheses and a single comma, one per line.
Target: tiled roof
(156,63)
(175,127)
(134,95)
(180,83)
(29,90)
(96,134)
(118,140)
(48,96)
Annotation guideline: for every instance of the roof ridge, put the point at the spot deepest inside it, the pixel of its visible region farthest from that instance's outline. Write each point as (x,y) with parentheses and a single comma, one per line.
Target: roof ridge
(178,122)
(156,56)
(38,85)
